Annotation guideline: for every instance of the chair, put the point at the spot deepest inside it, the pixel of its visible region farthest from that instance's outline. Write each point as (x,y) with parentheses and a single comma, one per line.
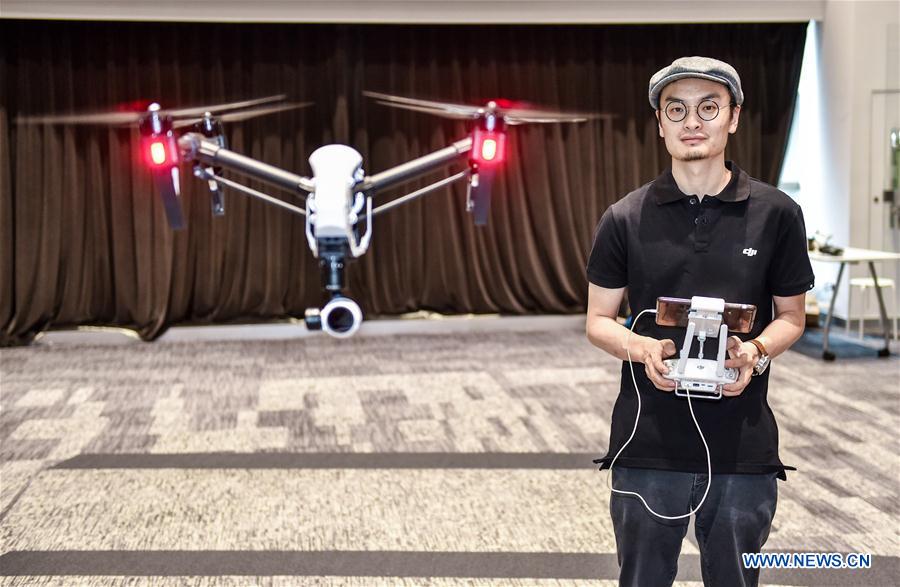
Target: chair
(864,284)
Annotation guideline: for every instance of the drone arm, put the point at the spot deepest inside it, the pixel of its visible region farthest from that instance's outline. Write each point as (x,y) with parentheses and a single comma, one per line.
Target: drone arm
(420,192)
(208,174)
(195,146)
(411,169)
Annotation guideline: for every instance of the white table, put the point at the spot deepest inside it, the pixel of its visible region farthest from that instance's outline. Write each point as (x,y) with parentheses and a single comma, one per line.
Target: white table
(853,256)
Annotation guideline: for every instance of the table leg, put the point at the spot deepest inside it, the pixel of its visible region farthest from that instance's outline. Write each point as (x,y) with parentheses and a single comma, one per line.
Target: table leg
(884,319)
(826,354)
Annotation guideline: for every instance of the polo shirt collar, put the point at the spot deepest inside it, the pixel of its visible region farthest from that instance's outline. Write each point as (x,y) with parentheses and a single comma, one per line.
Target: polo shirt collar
(665,190)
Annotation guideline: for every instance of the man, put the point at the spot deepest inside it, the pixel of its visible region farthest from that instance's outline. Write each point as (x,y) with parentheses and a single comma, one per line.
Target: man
(703,228)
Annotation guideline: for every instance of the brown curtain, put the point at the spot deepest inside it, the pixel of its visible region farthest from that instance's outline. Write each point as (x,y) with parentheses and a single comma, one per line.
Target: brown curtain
(83,239)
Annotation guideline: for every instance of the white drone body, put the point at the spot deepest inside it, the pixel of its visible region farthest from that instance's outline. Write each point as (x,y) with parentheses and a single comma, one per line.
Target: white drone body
(332,210)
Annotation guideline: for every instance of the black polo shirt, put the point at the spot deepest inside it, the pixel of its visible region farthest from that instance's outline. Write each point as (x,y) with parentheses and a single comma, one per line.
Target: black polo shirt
(745,244)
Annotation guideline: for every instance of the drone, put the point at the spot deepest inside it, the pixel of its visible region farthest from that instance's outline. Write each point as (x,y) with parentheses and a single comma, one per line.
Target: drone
(338,198)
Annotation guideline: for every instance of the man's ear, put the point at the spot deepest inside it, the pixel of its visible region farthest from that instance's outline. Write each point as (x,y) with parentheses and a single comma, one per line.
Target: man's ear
(659,124)
(735,116)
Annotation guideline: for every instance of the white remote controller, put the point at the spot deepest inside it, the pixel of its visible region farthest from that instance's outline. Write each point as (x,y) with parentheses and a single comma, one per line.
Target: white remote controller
(699,378)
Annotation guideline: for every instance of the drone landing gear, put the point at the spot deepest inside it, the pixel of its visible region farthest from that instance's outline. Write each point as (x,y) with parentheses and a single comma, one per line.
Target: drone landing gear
(478,193)
(216,200)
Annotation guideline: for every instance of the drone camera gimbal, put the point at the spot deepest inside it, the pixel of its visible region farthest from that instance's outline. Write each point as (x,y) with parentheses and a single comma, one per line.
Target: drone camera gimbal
(340,317)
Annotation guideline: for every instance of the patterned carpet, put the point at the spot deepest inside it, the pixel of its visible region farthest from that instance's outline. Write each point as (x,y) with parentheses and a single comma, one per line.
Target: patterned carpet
(430,459)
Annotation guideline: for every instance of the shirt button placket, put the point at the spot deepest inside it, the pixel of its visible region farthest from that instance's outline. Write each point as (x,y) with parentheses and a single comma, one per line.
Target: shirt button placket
(701,233)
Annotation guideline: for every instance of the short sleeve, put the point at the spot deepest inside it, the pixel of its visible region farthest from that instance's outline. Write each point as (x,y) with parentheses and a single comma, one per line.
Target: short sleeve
(608,263)
(791,272)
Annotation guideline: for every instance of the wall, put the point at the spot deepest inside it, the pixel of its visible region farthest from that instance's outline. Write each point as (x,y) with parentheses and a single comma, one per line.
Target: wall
(857,56)
(421,11)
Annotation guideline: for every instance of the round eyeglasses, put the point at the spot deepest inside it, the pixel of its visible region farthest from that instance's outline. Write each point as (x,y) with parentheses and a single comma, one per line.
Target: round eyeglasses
(707,110)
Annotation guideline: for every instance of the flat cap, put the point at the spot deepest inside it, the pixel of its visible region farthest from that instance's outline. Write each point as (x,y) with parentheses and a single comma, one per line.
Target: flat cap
(702,67)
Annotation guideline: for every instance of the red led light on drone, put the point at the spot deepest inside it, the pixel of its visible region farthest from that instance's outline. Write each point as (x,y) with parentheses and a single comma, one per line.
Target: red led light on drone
(488,147)
(160,151)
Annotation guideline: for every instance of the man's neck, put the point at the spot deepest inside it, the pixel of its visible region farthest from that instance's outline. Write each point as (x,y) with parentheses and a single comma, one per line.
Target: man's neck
(702,177)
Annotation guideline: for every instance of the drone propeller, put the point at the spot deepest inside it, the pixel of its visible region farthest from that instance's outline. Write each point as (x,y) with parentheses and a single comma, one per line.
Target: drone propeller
(134,118)
(438,108)
(455,115)
(488,137)
(220,108)
(245,114)
(511,112)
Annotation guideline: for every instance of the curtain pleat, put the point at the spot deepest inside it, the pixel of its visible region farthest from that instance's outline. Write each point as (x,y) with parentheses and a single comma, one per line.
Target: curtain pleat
(83,236)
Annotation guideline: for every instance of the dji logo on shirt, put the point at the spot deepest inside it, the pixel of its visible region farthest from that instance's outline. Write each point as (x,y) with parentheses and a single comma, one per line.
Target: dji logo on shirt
(749,252)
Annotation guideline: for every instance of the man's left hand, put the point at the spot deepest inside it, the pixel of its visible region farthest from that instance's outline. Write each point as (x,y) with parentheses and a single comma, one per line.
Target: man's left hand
(743,356)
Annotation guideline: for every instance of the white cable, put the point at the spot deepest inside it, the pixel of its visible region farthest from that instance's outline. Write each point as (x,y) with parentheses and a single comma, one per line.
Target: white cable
(638,417)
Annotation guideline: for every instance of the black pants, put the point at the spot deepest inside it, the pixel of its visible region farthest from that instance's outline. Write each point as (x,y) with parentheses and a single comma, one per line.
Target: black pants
(735,518)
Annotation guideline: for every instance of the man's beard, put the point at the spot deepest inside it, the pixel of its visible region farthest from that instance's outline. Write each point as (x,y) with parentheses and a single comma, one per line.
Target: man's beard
(694,155)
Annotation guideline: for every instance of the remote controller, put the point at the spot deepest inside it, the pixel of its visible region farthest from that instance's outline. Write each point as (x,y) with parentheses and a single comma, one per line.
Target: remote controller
(699,377)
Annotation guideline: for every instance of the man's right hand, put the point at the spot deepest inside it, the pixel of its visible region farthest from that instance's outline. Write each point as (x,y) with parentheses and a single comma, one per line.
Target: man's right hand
(604,332)
(654,351)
